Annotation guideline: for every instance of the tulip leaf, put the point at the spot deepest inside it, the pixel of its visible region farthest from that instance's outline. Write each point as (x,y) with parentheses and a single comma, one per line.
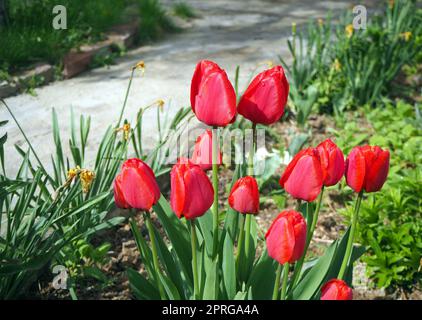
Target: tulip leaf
(241,295)
(144,250)
(170,265)
(169,287)
(312,281)
(205,226)
(177,233)
(261,280)
(211,280)
(142,288)
(229,267)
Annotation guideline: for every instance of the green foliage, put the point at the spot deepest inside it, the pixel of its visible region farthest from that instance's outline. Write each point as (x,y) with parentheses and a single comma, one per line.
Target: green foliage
(154,20)
(336,67)
(183,10)
(44,214)
(29,35)
(391,220)
(83,260)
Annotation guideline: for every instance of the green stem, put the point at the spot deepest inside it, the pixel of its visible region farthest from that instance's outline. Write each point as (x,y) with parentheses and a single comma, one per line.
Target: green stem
(126,97)
(194,260)
(247,235)
(250,173)
(299,202)
(277,282)
(299,264)
(241,239)
(349,247)
(154,254)
(285,278)
(215,186)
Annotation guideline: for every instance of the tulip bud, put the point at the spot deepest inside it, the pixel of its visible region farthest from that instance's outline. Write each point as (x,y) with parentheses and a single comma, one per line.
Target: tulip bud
(138,185)
(119,198)
(332,162)
(367,168)
(212,96)
(303,176)
(244,196)
(202,152)
(286,237)
(191,191)
(336,289)
(265,98)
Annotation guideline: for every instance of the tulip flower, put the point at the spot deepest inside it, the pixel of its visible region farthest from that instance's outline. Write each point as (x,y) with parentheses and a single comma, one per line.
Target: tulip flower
(303,177)
(336,289)
(244,196)
(286,237)
(265,98)
(332,162)
(138,185)
(367,168)
(119,198)
(191,191)
(212,96)
(202,152)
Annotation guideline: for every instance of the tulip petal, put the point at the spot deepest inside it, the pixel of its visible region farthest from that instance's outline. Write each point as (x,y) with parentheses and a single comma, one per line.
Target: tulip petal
(305,180)
(177,193)
(119,198)
(244,196)
(377,171)
(215,103)
(137,192)
(355,169)
(280,240)
(199,193)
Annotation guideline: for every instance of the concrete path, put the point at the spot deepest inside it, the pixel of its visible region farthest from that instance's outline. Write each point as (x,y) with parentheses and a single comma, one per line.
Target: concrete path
(245,33)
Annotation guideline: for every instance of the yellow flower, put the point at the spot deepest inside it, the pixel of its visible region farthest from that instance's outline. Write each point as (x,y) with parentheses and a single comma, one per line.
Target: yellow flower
(86,177)
(160,103)
(125,129)
(406,35)
(349,30)
(337,65)
(140,66)
(72,173)
(391,4)
(320,22)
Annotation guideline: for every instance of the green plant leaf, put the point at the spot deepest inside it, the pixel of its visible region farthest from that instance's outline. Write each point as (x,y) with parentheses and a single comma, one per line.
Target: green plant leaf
(229,267)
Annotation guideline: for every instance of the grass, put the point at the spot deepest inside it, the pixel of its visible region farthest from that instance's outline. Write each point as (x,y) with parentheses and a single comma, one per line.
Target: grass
(184,11)
(155,21)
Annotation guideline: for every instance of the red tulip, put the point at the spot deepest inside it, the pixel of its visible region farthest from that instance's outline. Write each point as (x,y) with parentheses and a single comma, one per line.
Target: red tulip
(202,152)
(138,185)
(367,168)
(119,198)
(332,162)
(336,289)
(265,98)
(303,176)
(244,196)
(191,191)
(286,237)
(212,96)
